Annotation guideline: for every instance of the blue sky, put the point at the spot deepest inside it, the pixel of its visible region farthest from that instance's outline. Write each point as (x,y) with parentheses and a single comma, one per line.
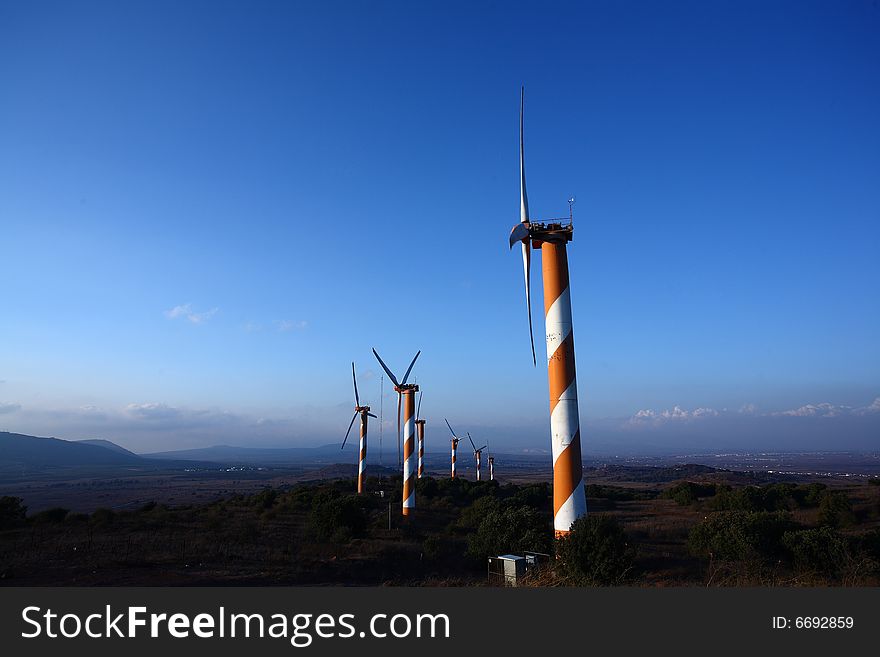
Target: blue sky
(303,181)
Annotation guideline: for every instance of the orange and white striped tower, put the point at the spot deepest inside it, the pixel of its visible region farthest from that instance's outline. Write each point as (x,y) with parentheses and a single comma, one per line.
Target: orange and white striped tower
(362,451)
(491,468)
(478,455)
(364,412)
(569,501)
(406,398)
(407,392)
(420,430)
(455,441)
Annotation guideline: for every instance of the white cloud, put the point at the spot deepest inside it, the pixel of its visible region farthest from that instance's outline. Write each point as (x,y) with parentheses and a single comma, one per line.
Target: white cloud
(873,407)
(823,409)
(649,416)
(152,411)
(820,410)
(9,407)
(285,325)
(186,311)
(252,327)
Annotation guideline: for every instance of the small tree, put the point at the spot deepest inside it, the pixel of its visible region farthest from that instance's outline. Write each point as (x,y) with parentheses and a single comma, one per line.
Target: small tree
(821,550)
(54,515)
(740,535)
(594,553)
(336,517)
(12,512)
(265,499)
(835,510)
(509,529)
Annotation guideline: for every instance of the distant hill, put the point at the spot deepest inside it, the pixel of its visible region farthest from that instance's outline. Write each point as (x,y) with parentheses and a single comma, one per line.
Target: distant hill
(21,453)
(19,450)
(260,455)
(106,444)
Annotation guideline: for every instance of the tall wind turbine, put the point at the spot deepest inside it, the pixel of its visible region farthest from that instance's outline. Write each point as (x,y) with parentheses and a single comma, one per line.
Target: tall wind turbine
(478,454)
(420,430)
(455,441)
(551,237)
(405,396)
(364,412)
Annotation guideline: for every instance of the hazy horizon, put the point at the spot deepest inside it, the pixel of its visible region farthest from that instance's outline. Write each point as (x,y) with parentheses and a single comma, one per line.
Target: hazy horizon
(156,428)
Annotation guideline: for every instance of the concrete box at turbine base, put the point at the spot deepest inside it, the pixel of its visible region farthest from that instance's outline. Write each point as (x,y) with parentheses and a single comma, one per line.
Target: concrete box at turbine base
(506,570)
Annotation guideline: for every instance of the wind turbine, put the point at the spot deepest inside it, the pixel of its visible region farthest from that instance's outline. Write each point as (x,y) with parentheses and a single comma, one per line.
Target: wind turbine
(491,463)
(551,237)
(405,392)
(477,454)
(364,412)
(455,441)
(420,430)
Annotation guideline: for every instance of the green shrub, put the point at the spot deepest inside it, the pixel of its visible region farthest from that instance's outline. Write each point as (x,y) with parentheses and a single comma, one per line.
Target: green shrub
(440,548)
(688,492)
(537,496)
(620,494)
(103,517)
(12,512)
(336,517)
(505,529)
(772,497)
(427,487)
(53,515)
(594,553)
(265,498)
(821,550)
(813,494)
(835,510)
(473,515)
(740,535)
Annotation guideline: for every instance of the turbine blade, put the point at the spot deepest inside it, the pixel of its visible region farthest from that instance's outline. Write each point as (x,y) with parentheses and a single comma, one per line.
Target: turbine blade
(409,369)
(399,457)
(385,367)
(472,441)
(450,428)
(419,407)
(357,399)
(520,233)
(482,448)
(527,266)
(371,415)
(351,424)
(523,197)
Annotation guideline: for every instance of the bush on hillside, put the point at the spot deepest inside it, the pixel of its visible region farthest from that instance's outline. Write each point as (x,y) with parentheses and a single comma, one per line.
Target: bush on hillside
(594,553)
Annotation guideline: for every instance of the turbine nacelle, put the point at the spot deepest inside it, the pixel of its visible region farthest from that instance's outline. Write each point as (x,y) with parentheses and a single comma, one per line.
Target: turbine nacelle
(399,387)
(519,233)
